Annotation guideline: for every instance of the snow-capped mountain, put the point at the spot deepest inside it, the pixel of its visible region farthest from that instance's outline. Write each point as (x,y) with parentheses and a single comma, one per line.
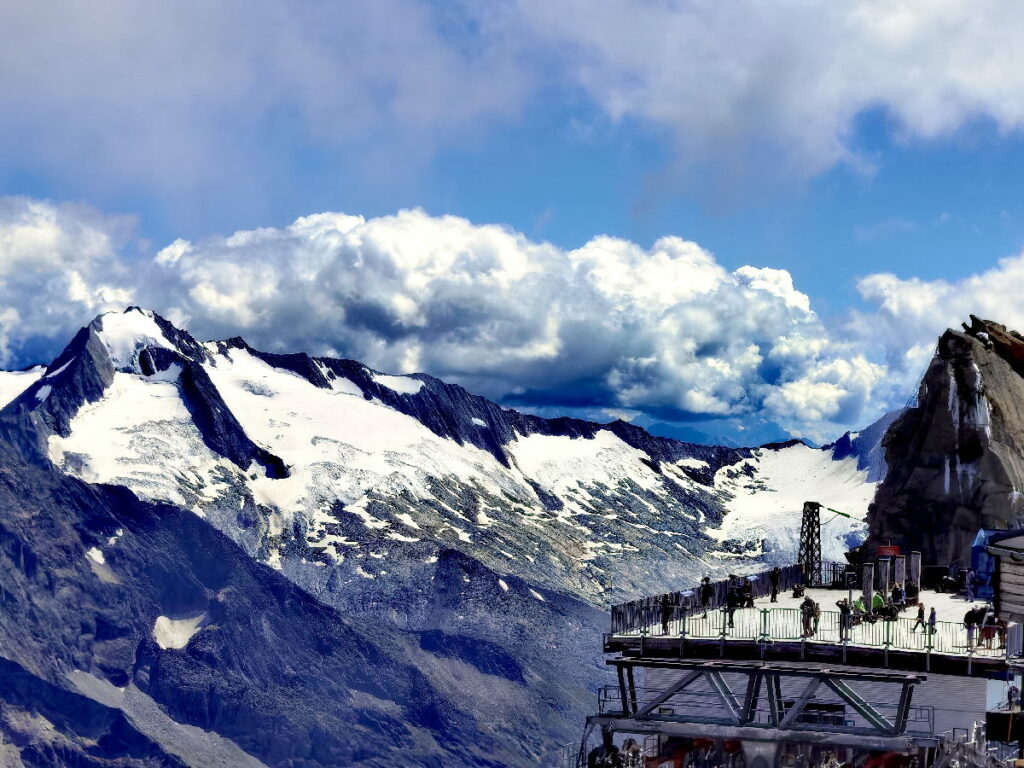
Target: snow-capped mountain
(336,474)
(430,564)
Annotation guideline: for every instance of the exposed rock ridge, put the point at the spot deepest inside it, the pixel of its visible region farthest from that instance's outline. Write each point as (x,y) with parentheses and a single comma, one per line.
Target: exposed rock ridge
(85,369)
(956,459)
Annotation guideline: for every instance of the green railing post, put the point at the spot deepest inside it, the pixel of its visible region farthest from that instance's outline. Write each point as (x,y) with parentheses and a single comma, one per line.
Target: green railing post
(682,635)
(764,624)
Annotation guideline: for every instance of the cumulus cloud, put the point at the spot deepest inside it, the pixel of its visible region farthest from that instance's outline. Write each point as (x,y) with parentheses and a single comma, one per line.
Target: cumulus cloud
(58,265)
(740,81)
(906,315)
(664,331)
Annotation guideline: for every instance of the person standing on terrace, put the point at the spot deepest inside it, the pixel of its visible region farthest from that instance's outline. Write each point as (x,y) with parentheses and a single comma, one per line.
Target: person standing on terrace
(807,615)
(733,600)
(920,619)
(877,602)
(970,624)
(773,578)
(666,612)
(844,619)
(707,591)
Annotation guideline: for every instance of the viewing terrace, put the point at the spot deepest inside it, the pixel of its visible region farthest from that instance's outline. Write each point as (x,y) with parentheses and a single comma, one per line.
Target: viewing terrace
(777,631)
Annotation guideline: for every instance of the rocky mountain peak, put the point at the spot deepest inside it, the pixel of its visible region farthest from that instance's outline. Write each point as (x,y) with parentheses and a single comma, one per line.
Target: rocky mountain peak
(956,459)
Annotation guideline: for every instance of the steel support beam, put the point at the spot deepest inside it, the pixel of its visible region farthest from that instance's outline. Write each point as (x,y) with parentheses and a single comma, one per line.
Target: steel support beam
(751,698)
(861,739)
(798,706)
(622,690)
(903,708)
(668,693)
(776,708)
(865,710)
(632,686)
(725,694)
(734,713)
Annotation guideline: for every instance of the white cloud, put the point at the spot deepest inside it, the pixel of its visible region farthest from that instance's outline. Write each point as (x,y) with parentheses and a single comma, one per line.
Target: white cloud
(188,95)
(59,264)
(224,97)
(906,315)
(742,81)
(610,325)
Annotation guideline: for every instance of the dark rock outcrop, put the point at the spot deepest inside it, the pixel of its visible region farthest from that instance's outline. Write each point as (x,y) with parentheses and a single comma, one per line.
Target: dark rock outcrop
(286,678)
(956,459)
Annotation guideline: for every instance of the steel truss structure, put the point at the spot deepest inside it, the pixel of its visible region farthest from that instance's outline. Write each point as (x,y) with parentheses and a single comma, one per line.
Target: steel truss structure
(744,700)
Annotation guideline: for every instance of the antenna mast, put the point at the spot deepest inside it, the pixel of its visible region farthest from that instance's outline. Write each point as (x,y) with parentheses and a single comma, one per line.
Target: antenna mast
(810,544)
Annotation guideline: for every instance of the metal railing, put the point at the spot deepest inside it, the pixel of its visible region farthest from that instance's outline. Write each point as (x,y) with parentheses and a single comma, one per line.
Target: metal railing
(790,624)
(634,614)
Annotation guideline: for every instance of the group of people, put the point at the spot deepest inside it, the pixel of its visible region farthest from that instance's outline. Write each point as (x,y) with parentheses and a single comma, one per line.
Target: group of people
(983,625)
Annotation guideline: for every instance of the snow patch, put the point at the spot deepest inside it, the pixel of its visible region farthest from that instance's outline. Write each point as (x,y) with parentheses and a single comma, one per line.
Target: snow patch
(503,585)
(769,503)
(406,518)
(60,370)
(13,383)
(479,422)
(96,555)
(43,392)
(402,384)
(538,595)
(124,334)
(559,463)
(175,633)
(399,537)
(693,463)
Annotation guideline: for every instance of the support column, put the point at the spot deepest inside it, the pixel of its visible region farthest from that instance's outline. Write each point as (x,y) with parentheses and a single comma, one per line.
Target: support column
(868,584)
(915,568)
(760,754)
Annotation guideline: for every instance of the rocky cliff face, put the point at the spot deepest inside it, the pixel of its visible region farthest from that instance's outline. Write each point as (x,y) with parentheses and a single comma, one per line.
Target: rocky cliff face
(956,459)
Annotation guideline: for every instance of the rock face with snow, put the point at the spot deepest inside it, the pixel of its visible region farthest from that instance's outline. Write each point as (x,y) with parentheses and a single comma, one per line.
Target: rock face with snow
(463,548)
(339,475)
(956,459)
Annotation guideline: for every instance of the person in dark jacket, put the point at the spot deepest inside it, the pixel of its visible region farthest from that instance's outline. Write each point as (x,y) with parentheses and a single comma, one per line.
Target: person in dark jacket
(773,578)
(707,591)
(807,615)
(920,619)
(733,600)
(667,604)
(971,620)
(747,590)
(845,619)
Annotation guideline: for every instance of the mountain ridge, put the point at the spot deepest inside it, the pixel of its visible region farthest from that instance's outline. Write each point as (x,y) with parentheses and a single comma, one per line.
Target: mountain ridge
(472,545)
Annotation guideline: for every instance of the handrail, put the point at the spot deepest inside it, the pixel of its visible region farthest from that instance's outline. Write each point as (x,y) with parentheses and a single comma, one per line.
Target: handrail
(623,614)
(768,625)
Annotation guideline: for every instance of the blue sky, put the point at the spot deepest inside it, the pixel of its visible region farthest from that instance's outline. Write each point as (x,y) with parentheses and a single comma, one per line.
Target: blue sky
(873,152)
